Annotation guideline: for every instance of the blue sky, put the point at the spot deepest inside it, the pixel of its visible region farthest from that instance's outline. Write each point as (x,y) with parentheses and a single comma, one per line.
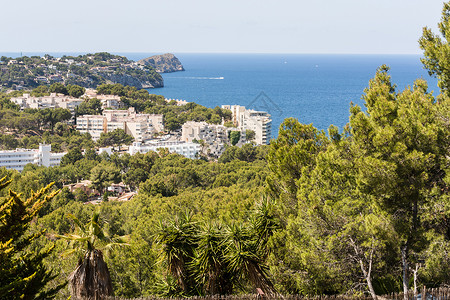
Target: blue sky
(245,26)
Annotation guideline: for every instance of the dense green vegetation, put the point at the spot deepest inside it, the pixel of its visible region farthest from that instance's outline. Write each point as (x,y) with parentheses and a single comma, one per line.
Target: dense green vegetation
(91,277)
(23,274)
(116,137)
(225,192)
(360,202)
(234,137)
(90,107)
(28,128)
(210,258)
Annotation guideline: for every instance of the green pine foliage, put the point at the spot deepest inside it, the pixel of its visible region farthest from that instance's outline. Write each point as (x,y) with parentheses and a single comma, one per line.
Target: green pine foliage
(356,202)
(23,273)
(435,48)
(116,137)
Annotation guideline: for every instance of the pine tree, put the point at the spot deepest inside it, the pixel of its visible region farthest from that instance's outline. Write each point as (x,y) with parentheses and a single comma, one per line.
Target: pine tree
(435,51)
(23,274)
(401,156)
(354,198)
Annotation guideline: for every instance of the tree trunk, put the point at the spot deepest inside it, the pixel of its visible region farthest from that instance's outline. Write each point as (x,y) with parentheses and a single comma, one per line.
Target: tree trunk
(91,279)
(415,279)
(371,290)
(368,277)
(367,273)
(404,251)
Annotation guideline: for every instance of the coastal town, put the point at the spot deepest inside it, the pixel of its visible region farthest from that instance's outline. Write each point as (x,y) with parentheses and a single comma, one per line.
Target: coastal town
(89,70)
(194,140)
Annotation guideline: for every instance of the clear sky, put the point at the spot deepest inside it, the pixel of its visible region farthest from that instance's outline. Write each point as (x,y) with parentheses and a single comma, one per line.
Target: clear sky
(243,26)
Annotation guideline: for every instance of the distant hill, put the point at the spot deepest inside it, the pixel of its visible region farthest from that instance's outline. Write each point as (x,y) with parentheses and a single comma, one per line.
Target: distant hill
(165,63)
(87,70)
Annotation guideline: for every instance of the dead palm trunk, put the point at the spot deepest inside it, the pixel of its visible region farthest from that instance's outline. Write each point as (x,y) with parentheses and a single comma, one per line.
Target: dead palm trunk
(91,279)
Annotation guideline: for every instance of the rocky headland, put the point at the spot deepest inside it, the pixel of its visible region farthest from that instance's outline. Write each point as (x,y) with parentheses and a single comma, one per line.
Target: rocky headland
(165,63)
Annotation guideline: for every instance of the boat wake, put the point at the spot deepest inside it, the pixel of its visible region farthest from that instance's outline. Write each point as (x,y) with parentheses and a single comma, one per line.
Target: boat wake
(201,78)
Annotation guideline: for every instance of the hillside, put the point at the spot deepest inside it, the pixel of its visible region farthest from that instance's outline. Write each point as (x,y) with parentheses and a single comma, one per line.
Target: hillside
(88,71)
(165,63)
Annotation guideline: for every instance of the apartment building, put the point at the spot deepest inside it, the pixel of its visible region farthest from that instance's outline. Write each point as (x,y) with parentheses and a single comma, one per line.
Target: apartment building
(209,133)
(140,126)
(249,119)
(189,150)
(108,101)
(17,159)
(215,137)
(53,101)
(92,124)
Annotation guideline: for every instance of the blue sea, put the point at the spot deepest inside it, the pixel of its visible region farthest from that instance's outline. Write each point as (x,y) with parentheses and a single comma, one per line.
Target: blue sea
(315,89)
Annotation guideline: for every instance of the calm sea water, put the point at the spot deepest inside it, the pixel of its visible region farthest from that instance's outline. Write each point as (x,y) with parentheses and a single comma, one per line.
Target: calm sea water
(314,89)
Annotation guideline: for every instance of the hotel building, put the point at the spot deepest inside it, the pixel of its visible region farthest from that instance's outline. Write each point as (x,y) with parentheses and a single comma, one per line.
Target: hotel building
(188,150)
(53,101)
(140,126)
(249,119)
(17,159)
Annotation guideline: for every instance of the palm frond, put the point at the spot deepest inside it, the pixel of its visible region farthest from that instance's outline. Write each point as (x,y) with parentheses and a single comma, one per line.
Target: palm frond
(67,252)
(77,222)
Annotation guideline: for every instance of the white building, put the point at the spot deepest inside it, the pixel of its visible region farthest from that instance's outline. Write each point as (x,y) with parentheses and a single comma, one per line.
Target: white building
(209,133)
(188,150)
(17,159)
(140,126)
(179,102)
(249,119)
(214,136)
(111,101)
(52,101)
(94,125)
(108,101)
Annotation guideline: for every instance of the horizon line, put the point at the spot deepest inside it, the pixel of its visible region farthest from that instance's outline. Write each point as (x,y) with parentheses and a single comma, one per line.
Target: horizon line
(190,52)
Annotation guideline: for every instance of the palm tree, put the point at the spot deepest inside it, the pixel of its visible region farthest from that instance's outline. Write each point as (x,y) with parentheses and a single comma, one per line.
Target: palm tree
(209,264)
(213,259)
(178,241)
(91,278)
(264,223)
(244,258)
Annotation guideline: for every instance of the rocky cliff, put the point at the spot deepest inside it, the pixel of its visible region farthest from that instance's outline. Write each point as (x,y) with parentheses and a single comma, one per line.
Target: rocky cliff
(165,63)
(139,83)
